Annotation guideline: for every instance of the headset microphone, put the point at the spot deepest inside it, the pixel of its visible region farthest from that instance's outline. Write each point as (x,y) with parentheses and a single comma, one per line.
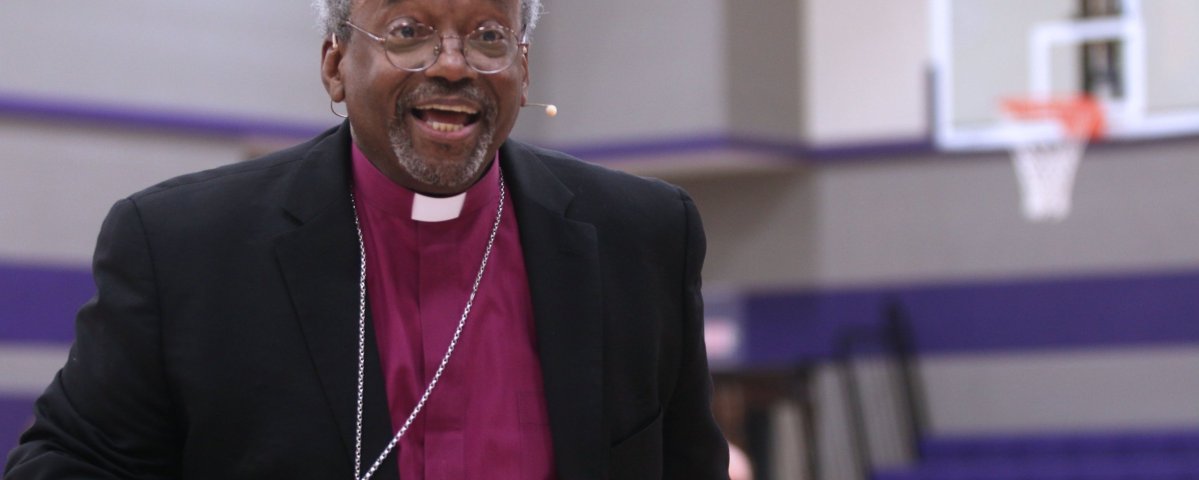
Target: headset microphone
(551,110)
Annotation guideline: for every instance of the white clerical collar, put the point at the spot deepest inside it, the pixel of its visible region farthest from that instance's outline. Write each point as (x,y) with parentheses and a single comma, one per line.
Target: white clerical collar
(373,187)
(437,209)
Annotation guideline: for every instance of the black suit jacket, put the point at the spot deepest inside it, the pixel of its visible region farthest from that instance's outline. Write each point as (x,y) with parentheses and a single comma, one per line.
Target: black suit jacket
(222,343)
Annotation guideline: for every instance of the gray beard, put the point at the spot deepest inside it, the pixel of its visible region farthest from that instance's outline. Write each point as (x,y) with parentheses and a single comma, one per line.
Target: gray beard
(448,175)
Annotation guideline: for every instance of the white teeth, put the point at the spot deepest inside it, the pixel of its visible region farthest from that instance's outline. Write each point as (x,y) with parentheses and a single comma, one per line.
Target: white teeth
(445,127)
(449,108)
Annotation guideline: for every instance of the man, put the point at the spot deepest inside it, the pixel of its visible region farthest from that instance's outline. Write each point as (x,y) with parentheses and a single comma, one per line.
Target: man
(388,299)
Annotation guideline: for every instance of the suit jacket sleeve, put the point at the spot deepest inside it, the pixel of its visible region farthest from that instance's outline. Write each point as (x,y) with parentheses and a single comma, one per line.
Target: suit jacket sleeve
(694,447)
(107,413)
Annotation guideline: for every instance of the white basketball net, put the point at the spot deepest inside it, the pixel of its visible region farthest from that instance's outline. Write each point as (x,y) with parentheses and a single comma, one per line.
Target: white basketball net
(1046,171)
(1046,164)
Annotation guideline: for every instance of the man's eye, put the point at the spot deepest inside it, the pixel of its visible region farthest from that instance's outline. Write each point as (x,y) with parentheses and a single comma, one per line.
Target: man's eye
(491,35)
(410,30)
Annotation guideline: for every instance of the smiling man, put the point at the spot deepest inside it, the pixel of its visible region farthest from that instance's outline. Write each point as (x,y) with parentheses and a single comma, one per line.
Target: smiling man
(431,90)
(409,295)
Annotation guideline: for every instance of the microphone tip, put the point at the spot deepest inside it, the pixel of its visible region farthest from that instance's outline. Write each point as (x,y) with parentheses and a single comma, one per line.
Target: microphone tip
(551,110)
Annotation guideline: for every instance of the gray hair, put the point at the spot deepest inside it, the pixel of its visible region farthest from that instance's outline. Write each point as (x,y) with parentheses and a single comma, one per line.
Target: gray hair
(332,15)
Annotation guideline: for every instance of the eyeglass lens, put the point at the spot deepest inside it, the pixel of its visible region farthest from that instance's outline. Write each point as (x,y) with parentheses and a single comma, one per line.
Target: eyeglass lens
(415,46)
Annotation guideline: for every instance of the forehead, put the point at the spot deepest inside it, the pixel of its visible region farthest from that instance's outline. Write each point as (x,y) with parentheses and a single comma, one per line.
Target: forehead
(384,8)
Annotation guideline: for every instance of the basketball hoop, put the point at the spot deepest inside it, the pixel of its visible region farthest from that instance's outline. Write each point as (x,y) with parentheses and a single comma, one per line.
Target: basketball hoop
(1046,165)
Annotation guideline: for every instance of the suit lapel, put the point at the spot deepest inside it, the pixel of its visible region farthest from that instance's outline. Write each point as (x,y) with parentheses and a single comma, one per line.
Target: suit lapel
(319,260)
(562,261)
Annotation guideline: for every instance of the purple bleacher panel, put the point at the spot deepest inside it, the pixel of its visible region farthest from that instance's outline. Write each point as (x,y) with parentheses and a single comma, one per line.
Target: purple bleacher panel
(1092,455)
(38,303)
(1066,445)
(896,474)
(1145,309)
(1109,468)
(1056,313)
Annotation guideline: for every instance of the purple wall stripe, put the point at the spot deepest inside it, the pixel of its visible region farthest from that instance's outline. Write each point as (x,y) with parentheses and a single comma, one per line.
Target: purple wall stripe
(189,122)
(1128,310)
(110,116)
(198,123)
(887,149)
(38,303)
(890,149)
(682,144)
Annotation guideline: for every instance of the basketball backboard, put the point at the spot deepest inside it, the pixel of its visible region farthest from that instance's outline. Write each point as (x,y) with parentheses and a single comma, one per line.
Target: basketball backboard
(1138,58)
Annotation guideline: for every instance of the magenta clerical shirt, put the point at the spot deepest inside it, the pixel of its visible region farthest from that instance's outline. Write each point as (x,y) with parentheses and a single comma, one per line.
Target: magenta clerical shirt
(487,417)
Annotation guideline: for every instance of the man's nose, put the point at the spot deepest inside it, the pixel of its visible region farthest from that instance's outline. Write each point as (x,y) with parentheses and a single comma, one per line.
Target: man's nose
(450,63)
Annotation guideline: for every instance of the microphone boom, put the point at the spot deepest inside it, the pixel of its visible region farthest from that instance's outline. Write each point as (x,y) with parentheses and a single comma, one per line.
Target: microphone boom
(551,110)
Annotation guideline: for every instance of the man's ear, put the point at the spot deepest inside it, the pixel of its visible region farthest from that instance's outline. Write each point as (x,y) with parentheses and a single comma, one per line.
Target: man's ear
(524,82)
(331,55)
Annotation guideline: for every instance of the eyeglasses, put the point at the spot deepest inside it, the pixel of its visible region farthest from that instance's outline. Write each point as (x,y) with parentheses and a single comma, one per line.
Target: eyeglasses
(414,46)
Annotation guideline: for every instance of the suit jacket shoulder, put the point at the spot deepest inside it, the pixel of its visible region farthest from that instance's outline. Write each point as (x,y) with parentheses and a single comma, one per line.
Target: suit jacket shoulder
(255,199)
(242,178)
(611,199)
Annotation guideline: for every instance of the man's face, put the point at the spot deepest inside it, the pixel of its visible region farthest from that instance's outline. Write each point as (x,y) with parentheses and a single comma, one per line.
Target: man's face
(433,131)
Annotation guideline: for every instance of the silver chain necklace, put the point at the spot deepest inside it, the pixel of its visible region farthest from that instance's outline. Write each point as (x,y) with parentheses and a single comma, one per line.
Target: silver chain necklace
(474,289)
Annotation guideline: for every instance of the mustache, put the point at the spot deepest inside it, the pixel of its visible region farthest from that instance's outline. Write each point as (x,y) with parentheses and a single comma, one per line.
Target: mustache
(438,87)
